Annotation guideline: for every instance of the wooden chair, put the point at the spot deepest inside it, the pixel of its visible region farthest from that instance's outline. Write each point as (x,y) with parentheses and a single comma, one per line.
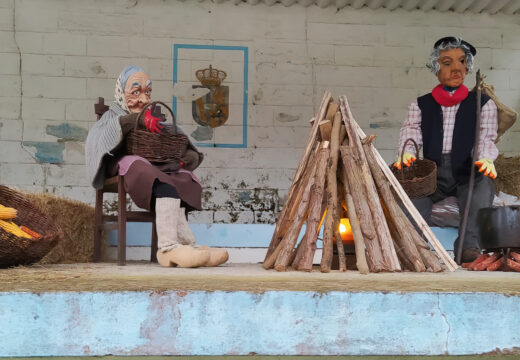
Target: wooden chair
(104,222)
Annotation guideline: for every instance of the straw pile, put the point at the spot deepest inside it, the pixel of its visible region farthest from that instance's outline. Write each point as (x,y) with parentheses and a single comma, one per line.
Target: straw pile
(508,179)
(77,222)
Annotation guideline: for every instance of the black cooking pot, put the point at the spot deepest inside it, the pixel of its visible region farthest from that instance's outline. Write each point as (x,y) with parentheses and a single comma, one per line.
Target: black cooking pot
(499,227)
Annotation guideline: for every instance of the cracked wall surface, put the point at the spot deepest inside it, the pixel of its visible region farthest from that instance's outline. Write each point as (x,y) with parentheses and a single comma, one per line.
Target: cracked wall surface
(57,60)
(269,323)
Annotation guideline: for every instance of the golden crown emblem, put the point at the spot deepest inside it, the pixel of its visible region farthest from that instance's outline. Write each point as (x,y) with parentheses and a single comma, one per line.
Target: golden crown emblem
(210,76)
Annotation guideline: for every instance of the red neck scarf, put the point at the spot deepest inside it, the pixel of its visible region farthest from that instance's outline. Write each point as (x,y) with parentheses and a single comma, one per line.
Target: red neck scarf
(444,98)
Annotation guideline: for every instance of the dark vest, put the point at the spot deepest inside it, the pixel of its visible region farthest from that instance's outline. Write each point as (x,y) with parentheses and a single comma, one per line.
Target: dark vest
(463,133)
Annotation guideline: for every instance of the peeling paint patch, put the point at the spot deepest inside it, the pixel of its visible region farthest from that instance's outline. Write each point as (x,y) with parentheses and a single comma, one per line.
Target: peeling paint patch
(67,132)
(202,133)
(374,126)
(97,68)
(47,152)
(507,351)
(259,95)
(261,204)
(244,196)
(255,200)
(283,117)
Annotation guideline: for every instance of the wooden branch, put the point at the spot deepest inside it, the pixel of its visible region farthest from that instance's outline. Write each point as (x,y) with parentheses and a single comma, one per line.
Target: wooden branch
(327,98)
(331,111)
(341,251)
(396,236)
(383,234)
(355,188)
(404,232)
(315,210)
(359,244)
(286,245)
(342,212)
(294,189)
(429,258)
(402,224)
(325,130)
(418,219)
(332,220)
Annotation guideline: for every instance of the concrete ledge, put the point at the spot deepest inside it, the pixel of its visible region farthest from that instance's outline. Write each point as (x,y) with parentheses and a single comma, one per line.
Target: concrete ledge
(145,309)
(271,323)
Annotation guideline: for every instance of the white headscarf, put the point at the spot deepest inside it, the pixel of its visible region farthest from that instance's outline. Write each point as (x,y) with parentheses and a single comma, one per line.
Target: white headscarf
(119,94)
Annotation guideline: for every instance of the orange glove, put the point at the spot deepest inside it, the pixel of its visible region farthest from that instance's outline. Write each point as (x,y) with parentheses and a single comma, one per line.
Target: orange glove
(408,160)
(487,166)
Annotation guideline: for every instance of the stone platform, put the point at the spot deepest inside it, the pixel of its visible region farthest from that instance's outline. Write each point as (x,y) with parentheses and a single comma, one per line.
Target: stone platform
(241,309)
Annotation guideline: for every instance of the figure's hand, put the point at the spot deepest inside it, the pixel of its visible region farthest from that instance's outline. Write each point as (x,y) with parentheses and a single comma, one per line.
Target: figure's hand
(408,160)
(487,167)
(152,123)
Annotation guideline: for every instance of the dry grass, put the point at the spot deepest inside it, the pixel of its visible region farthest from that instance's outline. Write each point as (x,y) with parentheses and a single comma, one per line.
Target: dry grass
(77,222)
(508,179)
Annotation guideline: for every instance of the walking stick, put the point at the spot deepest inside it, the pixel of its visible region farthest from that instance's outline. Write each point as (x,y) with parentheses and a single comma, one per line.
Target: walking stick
(464,223)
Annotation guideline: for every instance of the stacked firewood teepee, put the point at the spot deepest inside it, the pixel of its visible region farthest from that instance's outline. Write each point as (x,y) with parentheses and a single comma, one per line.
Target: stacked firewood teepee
(341,170)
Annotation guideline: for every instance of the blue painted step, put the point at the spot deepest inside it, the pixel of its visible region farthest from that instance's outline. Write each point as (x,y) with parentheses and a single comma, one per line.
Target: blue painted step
(239,235)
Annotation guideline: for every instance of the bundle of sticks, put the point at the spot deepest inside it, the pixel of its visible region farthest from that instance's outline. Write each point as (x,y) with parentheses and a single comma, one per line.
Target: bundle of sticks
(342,171)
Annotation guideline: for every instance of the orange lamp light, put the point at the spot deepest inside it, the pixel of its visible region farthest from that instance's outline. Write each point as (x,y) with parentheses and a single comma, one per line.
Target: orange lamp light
(345,231)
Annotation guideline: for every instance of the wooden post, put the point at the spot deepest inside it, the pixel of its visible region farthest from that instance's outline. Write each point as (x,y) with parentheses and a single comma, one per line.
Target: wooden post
(383,234)
(315,210)
(341,251)
(342,212)
(294,189)
(429,258)
(325,130)
(399,218)
(396,237)
(357,190)
(296,222)
(284,257)
(332,219)
(421,223)
(359,244)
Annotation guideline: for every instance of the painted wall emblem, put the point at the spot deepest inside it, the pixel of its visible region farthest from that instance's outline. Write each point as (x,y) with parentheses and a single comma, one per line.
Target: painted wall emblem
(211,109)
(210,93)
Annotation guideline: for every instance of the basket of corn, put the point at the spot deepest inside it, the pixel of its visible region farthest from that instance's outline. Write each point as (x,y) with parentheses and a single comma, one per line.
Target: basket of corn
(26,234)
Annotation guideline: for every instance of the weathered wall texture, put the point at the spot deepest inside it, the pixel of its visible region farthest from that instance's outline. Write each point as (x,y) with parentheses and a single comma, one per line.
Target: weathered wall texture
(57,57)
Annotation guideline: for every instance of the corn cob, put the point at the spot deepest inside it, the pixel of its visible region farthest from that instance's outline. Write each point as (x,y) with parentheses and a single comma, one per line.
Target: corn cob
(7,213)
(32,233)
(12,228)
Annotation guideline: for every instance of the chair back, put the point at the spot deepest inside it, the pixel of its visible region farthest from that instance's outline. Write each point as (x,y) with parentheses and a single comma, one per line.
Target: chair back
(100,108)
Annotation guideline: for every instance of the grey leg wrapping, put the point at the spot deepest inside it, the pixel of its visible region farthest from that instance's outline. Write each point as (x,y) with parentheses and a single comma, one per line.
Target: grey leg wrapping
(482,197)
(424,206)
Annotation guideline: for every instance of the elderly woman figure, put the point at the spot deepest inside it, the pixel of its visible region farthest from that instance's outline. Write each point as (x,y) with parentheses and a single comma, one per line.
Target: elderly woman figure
(443,122)
(170,189)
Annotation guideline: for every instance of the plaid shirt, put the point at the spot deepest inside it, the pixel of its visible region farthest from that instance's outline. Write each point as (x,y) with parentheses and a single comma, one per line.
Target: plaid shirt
(488,129)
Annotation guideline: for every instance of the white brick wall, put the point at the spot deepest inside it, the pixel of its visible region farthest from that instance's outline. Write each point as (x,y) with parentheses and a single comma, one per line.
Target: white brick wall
(56,60)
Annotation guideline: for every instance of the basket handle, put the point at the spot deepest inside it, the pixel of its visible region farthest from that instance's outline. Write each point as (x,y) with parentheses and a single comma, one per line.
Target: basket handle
(402,154)
(153,103)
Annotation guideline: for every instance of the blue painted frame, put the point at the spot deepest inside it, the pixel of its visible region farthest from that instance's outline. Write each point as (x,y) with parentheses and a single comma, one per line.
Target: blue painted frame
(176,48)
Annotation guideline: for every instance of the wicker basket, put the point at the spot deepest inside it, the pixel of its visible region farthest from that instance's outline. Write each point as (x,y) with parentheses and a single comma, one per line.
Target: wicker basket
(157,148)
(15,250)
(418,180)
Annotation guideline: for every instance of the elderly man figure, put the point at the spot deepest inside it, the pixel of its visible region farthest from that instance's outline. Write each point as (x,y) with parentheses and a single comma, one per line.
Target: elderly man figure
(170,189)
(443,123)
